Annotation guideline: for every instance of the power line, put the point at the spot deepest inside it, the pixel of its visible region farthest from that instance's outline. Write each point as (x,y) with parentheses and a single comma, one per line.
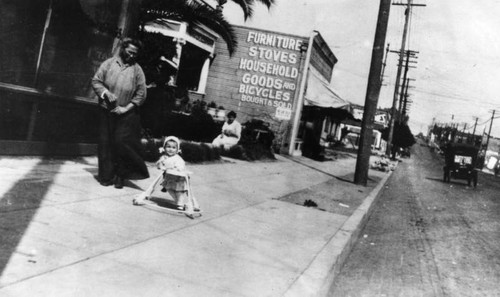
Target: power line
(454,97)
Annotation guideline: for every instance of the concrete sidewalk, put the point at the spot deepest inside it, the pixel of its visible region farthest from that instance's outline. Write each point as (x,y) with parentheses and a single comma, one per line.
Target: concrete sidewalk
(62,234)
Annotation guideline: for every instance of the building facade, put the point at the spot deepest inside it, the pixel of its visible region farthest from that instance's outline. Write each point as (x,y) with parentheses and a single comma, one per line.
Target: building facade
(267,77)
(48,54)
(51,48)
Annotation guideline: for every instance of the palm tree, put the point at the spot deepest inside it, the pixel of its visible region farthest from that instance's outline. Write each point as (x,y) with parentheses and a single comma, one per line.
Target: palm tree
(191,12)
(198,12)
(246,5)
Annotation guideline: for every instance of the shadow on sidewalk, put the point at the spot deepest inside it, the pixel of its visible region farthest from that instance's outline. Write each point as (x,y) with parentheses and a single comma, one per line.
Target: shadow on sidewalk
(20,204)
(340,178)
(128,183)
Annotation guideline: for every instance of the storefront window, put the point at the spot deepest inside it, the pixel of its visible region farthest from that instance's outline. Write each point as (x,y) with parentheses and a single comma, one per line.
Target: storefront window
(192,60)
(78,37)
(190,48)
(73,47)
(190,64)
(21,29)
(156,45)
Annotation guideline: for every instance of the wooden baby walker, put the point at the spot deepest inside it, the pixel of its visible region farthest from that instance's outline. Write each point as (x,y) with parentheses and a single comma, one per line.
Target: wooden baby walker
(153,202)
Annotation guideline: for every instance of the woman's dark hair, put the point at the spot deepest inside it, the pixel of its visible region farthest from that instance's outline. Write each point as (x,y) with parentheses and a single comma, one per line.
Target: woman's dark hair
(130,41)
(231,114)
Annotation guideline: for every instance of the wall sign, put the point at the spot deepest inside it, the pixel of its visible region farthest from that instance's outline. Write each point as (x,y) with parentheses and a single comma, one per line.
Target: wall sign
(270,71)
(283,113)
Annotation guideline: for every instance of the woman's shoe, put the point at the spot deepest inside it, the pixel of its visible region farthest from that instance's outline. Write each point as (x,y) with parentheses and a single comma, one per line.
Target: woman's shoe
(119,182)
(106,183)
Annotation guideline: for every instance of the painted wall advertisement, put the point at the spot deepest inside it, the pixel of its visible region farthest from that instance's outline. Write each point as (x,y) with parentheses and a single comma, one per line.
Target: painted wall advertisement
(270,71)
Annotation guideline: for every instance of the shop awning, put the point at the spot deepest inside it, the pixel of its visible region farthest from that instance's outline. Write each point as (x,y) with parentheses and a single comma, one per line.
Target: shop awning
(319,94)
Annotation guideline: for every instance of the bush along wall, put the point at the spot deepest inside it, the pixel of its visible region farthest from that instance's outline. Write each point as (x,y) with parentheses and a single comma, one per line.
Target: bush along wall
(199,152)
(255,143)
(192,152)
(249,152)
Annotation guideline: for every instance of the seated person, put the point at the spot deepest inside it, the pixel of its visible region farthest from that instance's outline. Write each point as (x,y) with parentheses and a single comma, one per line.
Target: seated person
(231,132)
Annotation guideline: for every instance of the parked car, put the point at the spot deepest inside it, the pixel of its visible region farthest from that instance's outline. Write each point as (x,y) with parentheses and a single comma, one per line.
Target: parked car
(460,163)
(405,152)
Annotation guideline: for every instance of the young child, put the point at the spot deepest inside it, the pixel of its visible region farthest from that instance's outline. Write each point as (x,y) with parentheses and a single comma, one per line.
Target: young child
(175,175)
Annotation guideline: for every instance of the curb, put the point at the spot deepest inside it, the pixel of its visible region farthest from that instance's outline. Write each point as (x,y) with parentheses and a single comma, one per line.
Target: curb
(320,274)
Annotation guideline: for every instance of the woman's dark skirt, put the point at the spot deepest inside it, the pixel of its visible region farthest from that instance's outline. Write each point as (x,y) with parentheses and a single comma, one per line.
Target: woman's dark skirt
(120,152)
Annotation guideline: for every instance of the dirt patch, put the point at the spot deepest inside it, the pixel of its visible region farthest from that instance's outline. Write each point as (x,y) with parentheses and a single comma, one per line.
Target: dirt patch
(336,195)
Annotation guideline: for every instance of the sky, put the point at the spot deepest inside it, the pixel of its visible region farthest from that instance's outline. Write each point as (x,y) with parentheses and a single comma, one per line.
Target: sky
(457,72)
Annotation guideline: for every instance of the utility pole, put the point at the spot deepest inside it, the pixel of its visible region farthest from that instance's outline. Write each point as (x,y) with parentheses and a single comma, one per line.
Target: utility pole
(398,75)
(463,132)
(372,94)
(384,64)
(403,112)
(398,78)
(474,132)
(403,86)
(489,132)
(475,124)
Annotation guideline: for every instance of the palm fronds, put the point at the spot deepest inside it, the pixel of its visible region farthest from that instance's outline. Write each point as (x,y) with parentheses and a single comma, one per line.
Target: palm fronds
(193,13)
(247,6)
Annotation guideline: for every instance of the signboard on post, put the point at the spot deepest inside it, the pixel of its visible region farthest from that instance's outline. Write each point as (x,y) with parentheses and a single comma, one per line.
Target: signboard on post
(269,70)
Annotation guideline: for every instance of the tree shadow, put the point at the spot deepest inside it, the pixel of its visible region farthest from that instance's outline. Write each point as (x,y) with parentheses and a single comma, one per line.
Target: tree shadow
(20,204)
(346,178)
(128,183)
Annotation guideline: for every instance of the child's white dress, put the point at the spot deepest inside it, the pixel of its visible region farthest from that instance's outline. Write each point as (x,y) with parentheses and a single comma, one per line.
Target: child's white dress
(173,163)
(176,185)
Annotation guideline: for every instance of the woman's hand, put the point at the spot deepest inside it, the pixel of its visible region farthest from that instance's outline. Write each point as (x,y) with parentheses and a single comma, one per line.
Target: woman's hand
(229,133)
(119,110)
(110,96)
(123,109)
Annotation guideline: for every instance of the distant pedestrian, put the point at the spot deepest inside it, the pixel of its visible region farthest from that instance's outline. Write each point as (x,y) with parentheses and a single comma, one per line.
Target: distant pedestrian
(231,132)
(121,87)
(160,99)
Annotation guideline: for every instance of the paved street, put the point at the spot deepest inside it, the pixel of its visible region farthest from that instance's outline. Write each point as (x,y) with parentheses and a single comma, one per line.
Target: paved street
(426,237)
